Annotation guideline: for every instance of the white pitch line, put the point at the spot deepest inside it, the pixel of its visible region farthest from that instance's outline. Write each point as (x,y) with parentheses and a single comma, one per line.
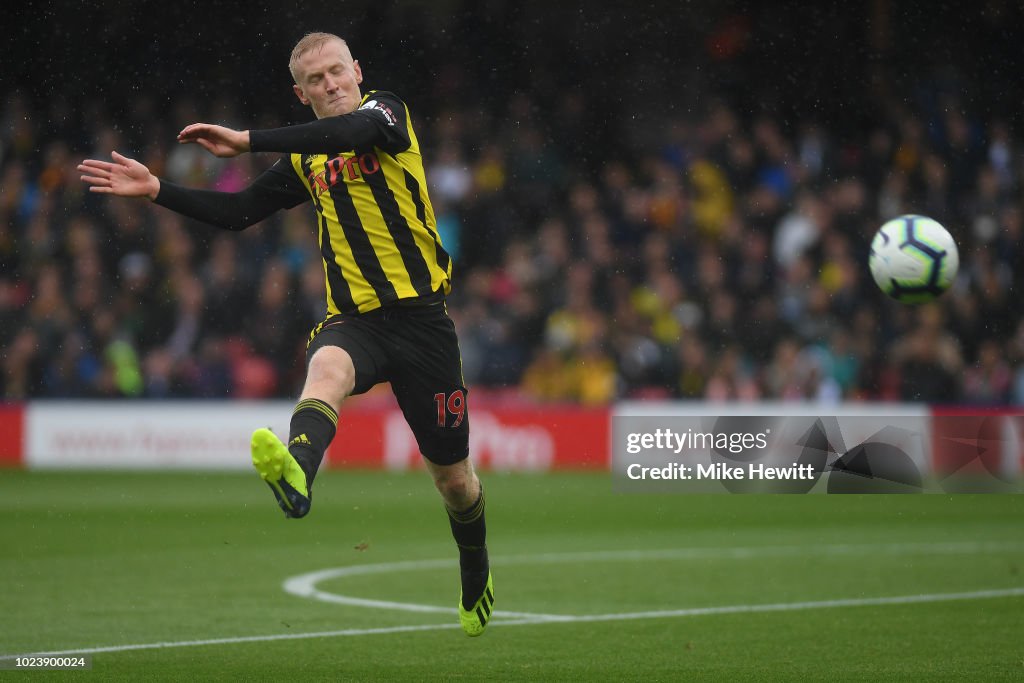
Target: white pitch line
(239,639)
(625,616)
(414,607)
(306,585)
(795,606)
(747,552)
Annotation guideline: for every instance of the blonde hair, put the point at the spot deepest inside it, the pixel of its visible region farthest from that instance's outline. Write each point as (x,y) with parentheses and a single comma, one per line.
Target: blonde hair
(308,43)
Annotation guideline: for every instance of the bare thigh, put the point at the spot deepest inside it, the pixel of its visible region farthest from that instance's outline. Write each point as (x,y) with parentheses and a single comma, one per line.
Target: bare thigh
(331,376)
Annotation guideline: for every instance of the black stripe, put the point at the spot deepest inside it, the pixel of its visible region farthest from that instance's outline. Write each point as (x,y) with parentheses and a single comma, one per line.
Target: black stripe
(341,294)
(490,595)
(401,232)
(487,608)
(362,250)
(313,333)
(481,617)
(413,186)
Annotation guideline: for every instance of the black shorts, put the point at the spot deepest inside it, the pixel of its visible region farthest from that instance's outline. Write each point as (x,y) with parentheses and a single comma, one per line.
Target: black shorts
(415,348)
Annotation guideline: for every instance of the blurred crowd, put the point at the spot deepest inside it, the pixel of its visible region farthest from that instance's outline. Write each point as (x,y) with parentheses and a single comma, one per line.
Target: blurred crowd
(619,229)
(726,261)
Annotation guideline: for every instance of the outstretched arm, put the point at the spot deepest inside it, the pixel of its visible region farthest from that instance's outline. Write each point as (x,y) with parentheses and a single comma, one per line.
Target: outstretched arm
(276,188)
(123,177)
(381,122)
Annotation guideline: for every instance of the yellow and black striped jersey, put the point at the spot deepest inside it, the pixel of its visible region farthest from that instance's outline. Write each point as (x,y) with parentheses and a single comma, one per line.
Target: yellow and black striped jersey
(378,236)
(364,173)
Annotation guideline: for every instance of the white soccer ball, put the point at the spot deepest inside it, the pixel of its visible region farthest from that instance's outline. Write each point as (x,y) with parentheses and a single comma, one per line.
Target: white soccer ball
(913,259)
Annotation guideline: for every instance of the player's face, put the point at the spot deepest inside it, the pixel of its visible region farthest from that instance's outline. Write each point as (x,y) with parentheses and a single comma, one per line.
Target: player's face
(328,80)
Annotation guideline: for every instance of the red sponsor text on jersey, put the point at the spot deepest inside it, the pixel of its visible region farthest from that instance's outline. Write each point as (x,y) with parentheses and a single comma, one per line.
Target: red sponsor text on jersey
(341,168)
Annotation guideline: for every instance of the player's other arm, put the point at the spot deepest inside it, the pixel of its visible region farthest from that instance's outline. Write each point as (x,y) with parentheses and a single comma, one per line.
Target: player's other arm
(276,188)
(380,123)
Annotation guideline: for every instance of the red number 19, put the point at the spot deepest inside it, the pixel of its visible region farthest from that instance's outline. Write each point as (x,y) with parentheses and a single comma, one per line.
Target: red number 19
(455,404)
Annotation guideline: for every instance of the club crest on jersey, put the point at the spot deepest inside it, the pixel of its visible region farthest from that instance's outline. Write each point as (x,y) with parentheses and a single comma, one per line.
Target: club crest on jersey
(342,168)
(383,109)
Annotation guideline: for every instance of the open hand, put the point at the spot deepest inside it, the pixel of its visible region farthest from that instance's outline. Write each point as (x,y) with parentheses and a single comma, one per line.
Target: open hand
(123,177)
(217,140)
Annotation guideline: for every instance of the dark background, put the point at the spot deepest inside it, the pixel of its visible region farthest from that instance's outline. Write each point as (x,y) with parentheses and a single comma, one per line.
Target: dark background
(837,62)
(614,183)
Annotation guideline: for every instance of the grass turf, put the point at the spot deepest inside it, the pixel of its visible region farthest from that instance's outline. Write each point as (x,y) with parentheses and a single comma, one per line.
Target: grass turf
(98,559)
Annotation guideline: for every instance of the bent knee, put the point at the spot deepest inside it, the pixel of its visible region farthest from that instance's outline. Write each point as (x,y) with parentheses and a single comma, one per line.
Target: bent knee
(458,489)
(452,486)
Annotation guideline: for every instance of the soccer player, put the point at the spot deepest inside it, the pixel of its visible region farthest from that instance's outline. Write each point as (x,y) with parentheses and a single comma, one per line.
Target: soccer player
(387,275)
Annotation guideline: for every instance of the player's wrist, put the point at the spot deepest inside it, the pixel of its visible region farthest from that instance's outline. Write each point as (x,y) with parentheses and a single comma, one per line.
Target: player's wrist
(154,189)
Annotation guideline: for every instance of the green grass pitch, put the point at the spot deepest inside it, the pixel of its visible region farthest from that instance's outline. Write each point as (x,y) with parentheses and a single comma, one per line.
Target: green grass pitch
(191,567)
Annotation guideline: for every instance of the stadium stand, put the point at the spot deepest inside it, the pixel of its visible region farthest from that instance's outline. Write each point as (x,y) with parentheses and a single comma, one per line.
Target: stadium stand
(650,226)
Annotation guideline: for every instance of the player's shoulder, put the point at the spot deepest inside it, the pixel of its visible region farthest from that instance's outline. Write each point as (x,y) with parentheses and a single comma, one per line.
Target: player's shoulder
(381,96)
(384,102)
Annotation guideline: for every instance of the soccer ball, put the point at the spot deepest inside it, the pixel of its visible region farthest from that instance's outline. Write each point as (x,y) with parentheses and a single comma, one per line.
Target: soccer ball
(913,259)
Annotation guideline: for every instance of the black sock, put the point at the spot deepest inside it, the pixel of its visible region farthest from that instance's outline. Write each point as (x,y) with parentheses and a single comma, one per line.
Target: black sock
(470,531)
(313,426)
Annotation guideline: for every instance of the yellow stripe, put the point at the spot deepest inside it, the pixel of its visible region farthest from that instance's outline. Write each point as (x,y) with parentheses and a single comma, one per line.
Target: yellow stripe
(438,276)
(362,293)
(410,161)
(319,406)
(372,223)
(372,218)
(296,160)
(471,515)
(297,165)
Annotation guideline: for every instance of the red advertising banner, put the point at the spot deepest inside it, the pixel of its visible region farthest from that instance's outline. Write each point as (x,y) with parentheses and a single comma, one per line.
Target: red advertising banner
(505,434)
(534,438)
(977,441)
(12,434)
